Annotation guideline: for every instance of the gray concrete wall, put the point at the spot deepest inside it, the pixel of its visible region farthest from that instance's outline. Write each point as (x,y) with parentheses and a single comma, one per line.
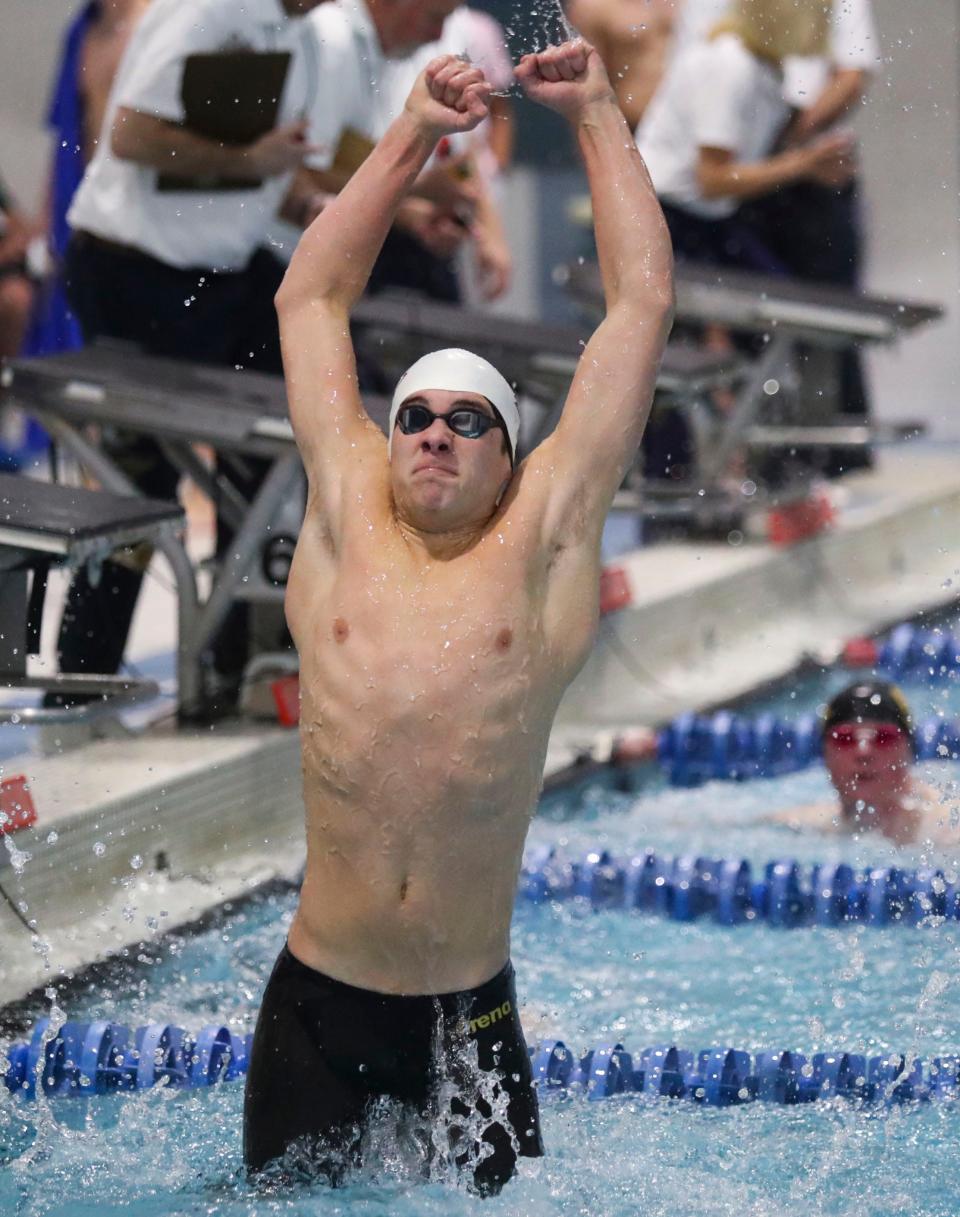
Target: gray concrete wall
(910,138)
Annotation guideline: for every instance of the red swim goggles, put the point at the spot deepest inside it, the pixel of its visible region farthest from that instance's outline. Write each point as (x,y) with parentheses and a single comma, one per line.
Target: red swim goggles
(880,735)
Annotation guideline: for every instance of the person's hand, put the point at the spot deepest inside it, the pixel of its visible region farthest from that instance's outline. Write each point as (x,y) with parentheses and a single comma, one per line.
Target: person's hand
(494,264)
(438,231)
(449,96)
(450,189)
(831,160)
(565,78)
(280,150)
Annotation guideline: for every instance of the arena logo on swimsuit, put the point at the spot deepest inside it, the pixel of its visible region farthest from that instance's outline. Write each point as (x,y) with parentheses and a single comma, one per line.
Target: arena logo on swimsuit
(491,1017)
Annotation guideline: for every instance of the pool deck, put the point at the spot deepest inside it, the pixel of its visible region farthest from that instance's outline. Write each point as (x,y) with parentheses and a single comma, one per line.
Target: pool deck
(137,835)
(709,622)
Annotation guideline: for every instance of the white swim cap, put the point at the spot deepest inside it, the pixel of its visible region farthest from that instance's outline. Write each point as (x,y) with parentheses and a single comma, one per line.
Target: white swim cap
(459,371)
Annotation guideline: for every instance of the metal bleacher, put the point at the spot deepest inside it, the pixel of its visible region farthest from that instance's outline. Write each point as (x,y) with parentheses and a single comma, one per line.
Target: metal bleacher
(789,395)
(42,526)
(244,414)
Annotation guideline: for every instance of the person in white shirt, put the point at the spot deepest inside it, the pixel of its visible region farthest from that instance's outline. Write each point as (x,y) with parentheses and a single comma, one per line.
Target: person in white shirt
(166,252)
(361,43)
(472,157)
(822,88)
(815,228)
(480,39)
(709,133)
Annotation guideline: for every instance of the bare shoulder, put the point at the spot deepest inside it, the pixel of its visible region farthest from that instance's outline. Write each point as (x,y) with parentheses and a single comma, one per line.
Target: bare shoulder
(810,817)
(549,503)
(941,815)
(334,531)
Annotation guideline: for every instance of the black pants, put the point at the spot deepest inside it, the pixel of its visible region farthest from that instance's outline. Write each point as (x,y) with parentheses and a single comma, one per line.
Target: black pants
(195,315)
(405,264)
(334,1066)
(816,232)
(721,242)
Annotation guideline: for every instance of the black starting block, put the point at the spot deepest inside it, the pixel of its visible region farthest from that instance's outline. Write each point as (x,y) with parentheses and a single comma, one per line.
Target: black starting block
(790,317)
(44,525)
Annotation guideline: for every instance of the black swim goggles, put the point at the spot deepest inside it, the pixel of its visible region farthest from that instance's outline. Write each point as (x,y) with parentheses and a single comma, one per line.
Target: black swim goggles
(466,421)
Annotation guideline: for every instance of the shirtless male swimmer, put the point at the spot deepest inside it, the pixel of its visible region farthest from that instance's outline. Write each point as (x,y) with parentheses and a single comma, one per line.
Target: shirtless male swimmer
(441,599)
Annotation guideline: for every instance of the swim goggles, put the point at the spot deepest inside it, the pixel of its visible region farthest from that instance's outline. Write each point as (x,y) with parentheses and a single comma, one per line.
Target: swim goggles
(465,421)
(881,735)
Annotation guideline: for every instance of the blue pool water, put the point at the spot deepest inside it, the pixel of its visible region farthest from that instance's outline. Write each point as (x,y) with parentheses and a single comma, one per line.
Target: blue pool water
(586,977)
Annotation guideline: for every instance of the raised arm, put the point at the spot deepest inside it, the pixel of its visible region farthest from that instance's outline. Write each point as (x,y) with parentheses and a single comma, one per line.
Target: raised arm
(609,400)
(332,263)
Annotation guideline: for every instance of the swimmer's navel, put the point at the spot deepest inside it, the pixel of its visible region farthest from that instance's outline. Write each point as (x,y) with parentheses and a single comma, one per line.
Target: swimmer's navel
(404,888)
(505,639)
(341,631)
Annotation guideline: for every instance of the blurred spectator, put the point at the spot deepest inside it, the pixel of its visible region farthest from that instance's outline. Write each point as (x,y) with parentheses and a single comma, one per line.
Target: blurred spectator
(359,40)
(815,228)
(634,38)
(478,37)
(708,135)
(166,247)
(476,158)
(16,280)
(812,228)
(388,42)
(92,47)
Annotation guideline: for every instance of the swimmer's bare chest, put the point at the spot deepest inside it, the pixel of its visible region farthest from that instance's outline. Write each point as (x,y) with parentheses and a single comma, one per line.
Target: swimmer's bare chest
(425,684)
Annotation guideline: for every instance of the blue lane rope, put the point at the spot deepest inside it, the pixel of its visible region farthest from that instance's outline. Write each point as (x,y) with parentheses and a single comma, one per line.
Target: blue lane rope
(912,652)
(783,893)
(99,1058)
(725,1077)
(84,1059)
(695,748)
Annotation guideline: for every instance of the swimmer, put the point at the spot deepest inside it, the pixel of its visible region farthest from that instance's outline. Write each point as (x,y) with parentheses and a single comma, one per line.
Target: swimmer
(869,749)
(442,596)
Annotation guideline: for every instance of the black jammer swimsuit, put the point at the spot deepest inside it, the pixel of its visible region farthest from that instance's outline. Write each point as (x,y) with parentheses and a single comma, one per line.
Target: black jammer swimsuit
(330,1060)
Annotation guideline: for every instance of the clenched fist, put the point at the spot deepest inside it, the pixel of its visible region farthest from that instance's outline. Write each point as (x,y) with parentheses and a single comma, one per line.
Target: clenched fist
(449,95)
(565,78)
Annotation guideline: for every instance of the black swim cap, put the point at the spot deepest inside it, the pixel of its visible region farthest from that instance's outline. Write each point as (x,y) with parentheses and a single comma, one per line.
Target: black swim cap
(875,701)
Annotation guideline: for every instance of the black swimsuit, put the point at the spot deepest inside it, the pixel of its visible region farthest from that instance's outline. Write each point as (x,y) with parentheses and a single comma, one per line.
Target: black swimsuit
(330,1061)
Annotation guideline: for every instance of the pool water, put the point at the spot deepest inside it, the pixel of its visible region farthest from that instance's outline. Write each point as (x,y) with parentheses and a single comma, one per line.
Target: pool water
(586,977)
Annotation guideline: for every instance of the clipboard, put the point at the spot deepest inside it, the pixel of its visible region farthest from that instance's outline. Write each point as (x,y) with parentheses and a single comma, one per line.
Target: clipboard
(232,97)
(352,151)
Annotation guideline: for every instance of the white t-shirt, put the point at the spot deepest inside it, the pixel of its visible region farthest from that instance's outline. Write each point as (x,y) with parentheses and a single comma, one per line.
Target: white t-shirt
(119,200)
(853,44)
(715,95)
(352,92)
(475,36)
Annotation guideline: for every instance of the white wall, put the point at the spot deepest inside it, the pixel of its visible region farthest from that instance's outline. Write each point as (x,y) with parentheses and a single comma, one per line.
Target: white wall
(28,49)
(910,133)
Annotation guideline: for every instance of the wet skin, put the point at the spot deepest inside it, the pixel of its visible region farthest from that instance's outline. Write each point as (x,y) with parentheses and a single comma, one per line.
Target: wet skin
(436,635)
(634,38)
(439,604)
